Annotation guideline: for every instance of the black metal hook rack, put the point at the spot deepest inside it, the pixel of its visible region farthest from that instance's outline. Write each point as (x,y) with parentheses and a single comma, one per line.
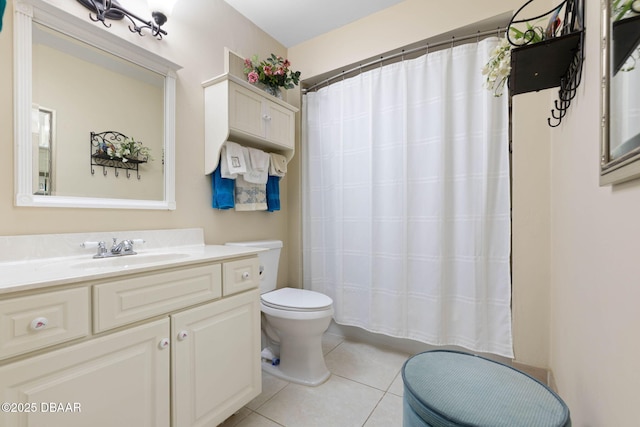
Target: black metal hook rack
(100,156)
(556,61)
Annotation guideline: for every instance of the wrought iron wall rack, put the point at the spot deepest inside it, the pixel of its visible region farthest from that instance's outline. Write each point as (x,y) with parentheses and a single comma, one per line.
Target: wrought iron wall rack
(556,61)
(99,144)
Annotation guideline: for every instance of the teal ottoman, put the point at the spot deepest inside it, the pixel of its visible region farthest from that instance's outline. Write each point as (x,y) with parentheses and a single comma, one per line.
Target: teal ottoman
(448,388)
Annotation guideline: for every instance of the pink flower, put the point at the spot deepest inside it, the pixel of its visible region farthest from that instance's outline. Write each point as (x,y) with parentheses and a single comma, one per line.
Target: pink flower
(252,77)
(247,63)
(267,70)
(279,71)
(286,63)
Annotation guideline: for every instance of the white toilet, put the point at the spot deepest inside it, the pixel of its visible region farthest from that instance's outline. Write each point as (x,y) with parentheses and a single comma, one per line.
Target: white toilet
(294,320)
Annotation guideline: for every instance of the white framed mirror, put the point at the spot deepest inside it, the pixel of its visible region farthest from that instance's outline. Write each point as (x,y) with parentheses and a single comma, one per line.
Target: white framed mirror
(95,82)
(620,66)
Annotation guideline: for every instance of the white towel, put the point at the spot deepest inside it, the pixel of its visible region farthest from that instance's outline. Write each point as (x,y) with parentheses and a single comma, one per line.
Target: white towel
(249,196)
(236,163)
(277,165)
(260,173)
(224,164)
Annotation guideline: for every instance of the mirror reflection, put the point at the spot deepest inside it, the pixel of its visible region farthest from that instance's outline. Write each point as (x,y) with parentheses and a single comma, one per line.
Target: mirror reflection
(91,90)
(620,103)
(43,132)
(624,134)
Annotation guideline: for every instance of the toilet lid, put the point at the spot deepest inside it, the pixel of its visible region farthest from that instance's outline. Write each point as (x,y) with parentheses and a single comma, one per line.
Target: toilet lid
(296,300)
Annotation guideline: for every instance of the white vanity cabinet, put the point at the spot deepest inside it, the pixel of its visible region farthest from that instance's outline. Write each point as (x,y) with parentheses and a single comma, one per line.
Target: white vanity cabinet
(165,347)
(240,112)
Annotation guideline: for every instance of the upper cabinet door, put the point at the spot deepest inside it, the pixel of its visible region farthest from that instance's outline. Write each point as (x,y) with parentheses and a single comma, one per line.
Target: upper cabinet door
(279,124)
(246,111)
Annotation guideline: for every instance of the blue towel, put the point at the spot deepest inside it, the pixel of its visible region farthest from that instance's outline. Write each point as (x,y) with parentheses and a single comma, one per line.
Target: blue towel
(3,3)
(273,193)
(222,191)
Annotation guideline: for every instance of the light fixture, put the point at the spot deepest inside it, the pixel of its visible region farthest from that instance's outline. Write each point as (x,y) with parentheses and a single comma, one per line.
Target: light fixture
(104,10)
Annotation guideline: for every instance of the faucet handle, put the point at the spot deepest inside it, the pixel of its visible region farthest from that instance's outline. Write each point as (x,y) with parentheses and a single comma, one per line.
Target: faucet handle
(137,241)
(101,245)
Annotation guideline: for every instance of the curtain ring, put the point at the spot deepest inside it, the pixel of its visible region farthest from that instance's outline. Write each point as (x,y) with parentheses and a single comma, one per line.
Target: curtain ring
(381,61)
(453,39)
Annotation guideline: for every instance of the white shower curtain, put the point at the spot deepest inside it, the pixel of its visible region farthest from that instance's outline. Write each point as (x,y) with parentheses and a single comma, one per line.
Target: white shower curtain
(406,221)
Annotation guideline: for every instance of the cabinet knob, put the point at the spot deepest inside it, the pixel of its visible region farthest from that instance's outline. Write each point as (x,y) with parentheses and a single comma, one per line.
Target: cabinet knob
(266,117)
(183,335)
(246,275)
(39,323)
(164,343)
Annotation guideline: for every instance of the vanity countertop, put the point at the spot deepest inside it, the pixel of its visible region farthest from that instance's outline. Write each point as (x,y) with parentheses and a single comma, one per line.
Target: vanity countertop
(45,272)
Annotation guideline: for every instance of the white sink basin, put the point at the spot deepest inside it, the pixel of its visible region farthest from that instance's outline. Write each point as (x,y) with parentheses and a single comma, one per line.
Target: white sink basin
(126,261)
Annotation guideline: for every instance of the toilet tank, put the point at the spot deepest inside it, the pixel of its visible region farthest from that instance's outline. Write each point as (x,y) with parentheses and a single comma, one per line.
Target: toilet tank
(268,261)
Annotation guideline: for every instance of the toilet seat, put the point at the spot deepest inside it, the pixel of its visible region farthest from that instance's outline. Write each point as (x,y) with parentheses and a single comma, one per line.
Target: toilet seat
(292,299)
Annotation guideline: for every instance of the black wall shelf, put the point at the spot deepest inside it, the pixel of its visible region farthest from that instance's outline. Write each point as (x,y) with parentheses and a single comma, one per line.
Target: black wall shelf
(100,157)
(626,36)
(542,65)
(556,61)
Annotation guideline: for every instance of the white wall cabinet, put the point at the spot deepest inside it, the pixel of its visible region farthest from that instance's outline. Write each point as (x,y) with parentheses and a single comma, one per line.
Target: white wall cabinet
(157,357)
(239,112)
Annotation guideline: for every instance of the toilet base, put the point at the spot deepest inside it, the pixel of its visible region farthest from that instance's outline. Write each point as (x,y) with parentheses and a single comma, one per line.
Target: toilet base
(276,372)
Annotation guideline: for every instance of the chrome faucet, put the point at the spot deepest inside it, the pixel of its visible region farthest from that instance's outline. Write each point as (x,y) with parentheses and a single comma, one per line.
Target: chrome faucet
(125,247)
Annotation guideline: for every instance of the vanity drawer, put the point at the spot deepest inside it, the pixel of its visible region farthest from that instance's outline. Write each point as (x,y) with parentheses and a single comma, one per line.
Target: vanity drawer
(37,321)
(124,301)
(240,276)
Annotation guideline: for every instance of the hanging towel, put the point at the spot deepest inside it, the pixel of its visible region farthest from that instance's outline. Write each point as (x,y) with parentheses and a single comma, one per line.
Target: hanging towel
(273,193)
(3,3)
(277,165)
(250,196)
(236,159)
(222,191)
(224,164)
(257,166)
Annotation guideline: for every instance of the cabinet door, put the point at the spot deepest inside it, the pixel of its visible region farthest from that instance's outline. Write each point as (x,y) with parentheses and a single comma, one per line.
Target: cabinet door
(216,360)
(280,124)
(246,111)
(117,380)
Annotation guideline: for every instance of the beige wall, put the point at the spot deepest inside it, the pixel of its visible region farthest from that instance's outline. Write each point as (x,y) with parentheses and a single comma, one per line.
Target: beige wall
(198,32)
(595,291)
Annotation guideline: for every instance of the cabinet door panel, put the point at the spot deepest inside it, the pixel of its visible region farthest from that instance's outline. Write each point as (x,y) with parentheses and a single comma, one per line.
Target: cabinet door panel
(245,111)
(281,125)
(117,380)
(216,367)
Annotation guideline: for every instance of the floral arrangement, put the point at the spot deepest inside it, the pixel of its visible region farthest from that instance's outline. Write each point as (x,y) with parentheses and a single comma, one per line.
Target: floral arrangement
(624,8)
(129,149)
(498,67)
(273,72)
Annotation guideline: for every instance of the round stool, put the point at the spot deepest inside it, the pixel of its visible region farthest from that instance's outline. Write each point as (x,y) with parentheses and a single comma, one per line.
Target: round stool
(448,388)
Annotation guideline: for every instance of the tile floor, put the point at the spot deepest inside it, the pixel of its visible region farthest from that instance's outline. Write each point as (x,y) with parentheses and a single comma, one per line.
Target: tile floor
(364,390)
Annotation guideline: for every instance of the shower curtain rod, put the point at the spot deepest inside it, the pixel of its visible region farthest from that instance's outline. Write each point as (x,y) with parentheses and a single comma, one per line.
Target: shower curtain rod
(426,47)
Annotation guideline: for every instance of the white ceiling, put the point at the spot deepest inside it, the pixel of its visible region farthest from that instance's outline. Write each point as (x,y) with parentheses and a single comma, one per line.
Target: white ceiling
(293,21)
